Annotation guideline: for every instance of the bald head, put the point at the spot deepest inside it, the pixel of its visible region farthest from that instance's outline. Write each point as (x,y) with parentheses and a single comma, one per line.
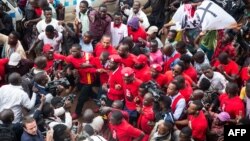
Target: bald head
(117,104)
(41,62)
(7,116)
(88,116)
(15,79)
(168,49)
(197,95)
(148,99)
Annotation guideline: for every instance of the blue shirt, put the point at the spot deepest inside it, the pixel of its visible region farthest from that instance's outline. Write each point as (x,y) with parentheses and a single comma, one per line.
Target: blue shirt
(28,137)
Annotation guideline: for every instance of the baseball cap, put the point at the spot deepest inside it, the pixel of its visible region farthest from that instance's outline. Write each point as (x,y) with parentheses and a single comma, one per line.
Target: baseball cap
(157,67)
(141,59)
(152,29)
(127,71)
(115,58)
(14,59)
(47,48)
(223,116)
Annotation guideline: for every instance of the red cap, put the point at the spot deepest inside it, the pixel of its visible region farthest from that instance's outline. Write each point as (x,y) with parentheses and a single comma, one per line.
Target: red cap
(47,48)
(157,67)
(141,59)
(127,71)
(115,58)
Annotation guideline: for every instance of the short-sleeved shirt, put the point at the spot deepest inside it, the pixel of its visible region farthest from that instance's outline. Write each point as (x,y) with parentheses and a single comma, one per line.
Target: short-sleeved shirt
(55,42)
(124,131)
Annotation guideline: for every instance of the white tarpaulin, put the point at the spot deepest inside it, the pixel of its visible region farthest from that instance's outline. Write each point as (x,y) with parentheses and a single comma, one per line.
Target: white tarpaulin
(207,16)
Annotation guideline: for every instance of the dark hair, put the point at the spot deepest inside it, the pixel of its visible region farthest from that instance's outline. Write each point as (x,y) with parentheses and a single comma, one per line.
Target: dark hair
(47,9)
(181,44)
(186,131)
(16,34)
(180,79)
(204,84)
(49,28)
(15,79)
(232,88)
(56,101)
(173,31)
(77,46)
(59,131)
(177,85)
(47,110)
(85,2)
(116,114)
(198,104)
(27,120)
(40,62)
(143,85)
(166,101)
(186,58)
(7,116)
(223,56)
(39,77)
(117,13)
(181,64)
(89,130)
(89,33)
(154,41)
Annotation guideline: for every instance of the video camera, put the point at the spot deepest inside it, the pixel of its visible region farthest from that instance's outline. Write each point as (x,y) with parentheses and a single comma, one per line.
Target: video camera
(153,88)
(52,85)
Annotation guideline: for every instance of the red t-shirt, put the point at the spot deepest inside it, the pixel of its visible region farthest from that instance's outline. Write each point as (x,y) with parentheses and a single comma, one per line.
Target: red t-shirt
(130,93)
(146,116)
(129,61)
(87,75)
(103,76)
(167,64)
(233,106)
(136,34)
(244,75)
(186,92)
(161,80)
(99,49)
(49,66)
(199,126)
(115,78)
(231,68)
(3,62)
(143,74)
(124,131)
(191,72)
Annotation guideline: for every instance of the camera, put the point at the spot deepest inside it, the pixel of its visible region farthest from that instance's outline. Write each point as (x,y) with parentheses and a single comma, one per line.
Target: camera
(70,97)
(153,88)
(52,85)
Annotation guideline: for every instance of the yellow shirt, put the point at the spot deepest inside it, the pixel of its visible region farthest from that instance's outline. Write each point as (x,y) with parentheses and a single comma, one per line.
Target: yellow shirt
(243,93)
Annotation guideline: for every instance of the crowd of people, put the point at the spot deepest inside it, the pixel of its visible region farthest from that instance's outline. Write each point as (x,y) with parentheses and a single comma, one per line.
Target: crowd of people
(149,81)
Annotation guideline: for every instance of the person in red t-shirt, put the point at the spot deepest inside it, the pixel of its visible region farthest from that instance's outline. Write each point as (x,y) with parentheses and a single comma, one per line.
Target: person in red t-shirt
(185,88)
(52,58)
(104,45)
(135,31)
(231,103)
(142,70)
(189,69)
(121,130)
(147,116)
(170,56)
(127,58)
(130,87)
(156,75)
(114,86)
(227,67)
(245,74)
(3,62)
(83,63)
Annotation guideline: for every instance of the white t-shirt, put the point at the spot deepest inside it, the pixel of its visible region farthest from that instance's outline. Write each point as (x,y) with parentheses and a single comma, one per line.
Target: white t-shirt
(160,45)
(55,42)
(118,33)
(86,47)
(141,15)
(41,26)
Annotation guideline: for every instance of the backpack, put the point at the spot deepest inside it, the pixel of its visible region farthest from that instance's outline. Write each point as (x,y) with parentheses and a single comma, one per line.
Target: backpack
(7,134)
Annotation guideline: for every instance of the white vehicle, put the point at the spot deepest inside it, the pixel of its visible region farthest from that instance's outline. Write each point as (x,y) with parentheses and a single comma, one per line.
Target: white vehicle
(14,11)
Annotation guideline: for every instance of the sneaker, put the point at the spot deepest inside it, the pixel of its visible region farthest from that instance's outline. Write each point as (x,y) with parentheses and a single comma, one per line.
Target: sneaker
(74,116)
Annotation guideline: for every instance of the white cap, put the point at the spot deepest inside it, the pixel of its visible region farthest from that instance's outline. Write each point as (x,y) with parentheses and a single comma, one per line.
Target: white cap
(14,59)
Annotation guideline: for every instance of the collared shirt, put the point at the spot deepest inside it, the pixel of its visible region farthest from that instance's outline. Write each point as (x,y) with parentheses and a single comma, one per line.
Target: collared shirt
(7,50)
(13,97)
(141,15)
(28,137)
(180,106)
(84,19)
